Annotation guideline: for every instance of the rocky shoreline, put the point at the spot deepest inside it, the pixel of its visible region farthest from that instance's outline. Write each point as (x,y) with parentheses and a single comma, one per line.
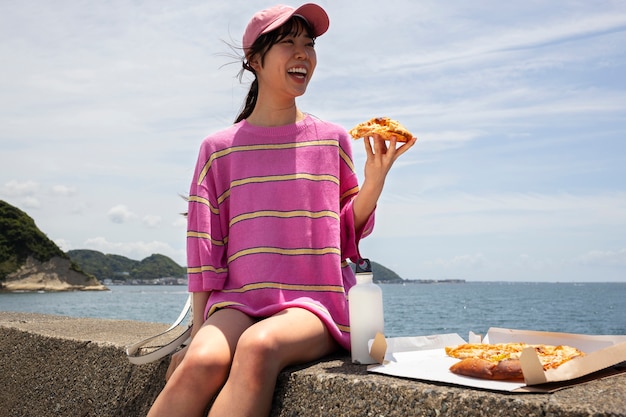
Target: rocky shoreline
(54,275)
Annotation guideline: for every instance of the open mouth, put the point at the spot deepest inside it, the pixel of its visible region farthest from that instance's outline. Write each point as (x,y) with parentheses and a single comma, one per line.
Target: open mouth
(299,72)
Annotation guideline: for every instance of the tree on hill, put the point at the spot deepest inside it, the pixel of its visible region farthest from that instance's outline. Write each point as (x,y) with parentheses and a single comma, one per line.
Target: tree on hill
(384,274)
(120,264)
(121,268)
(20,238)
(93,262)
(157,266)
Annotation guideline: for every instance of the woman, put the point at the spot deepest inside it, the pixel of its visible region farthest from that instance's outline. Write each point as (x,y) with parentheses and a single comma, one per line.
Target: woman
(274,212)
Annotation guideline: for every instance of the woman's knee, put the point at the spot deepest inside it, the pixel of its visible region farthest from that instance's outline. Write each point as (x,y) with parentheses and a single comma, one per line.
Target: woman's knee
(204,363)
(258,348)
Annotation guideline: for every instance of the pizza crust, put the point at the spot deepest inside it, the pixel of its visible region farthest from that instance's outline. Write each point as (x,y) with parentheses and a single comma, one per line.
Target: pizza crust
(383,126)
(506,370)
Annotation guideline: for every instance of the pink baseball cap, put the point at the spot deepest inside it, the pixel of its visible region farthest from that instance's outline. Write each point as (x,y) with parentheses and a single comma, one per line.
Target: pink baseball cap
(269,19)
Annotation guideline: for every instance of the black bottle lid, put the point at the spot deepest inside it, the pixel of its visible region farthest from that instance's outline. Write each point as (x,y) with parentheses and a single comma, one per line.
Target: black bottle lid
(364,266)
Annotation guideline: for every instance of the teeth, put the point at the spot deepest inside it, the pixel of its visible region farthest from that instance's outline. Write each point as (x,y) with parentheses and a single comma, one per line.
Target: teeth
(297,70)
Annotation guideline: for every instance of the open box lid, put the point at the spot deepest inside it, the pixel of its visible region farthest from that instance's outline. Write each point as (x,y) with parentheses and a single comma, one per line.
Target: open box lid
(424,358)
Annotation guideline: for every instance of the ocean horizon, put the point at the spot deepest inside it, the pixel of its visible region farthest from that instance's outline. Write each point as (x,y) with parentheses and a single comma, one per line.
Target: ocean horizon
(410,309)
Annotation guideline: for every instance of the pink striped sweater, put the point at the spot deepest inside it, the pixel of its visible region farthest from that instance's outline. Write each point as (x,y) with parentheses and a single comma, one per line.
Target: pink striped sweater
(270,222)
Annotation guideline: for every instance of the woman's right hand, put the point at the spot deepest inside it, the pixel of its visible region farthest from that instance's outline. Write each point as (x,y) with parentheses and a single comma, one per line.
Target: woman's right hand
(199,300)
(176,359)
(380,158)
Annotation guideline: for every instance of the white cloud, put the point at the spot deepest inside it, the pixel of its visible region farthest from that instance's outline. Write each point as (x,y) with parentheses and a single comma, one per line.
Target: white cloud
(23,194)
(151,221)
(474,261)
(29,203)
(63,244)
(63,190)
(538,264)
(180,222)
(20,188)
(612,258)
(120,214)
(442,140)
(464,213)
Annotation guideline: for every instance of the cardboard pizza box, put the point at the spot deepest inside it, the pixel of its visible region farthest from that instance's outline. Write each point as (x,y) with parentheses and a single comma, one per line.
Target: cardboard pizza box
(424,358)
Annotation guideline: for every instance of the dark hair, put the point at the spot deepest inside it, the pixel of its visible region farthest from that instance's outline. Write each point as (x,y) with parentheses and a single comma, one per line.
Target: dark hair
(294,26)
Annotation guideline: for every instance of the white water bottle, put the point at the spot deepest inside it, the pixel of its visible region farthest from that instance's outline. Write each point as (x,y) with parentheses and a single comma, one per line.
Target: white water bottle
(365,301)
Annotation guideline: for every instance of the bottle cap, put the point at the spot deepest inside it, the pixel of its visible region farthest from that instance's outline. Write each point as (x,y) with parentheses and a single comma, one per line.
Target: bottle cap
(363,266)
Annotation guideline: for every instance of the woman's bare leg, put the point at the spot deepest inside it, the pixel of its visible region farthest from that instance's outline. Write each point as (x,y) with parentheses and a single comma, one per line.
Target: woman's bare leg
(205,367)
(290,337)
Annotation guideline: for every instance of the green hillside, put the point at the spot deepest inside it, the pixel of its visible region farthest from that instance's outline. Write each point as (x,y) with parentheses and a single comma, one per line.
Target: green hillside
(116,267)
(158,266)
(384,274)
(20,238)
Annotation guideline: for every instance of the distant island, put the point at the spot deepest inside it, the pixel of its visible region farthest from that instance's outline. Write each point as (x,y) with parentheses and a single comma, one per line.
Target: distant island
(29,261)
(118,270)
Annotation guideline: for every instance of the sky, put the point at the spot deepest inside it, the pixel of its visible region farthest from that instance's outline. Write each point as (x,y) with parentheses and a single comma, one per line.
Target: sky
(519,172)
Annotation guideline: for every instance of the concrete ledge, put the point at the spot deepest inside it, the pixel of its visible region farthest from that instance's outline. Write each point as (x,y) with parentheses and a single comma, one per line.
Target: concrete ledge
(60,366)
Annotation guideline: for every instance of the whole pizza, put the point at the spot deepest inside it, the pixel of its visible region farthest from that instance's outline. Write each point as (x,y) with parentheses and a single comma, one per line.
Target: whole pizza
(501,361)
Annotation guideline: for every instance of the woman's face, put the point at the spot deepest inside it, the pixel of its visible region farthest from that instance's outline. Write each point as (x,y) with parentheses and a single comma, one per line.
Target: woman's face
(288,66)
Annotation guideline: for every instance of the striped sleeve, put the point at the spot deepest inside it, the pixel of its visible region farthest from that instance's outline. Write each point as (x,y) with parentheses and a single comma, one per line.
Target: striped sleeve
(350,237)
(206,243)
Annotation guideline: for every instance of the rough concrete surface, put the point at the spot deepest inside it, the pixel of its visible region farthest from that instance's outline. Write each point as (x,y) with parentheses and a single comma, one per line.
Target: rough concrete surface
(60,366)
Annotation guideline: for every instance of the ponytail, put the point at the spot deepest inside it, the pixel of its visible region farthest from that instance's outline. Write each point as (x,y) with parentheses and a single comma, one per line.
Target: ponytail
(253,94)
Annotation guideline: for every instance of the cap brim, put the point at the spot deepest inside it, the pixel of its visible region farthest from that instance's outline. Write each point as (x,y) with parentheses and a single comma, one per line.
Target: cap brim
(312,13)
(316,16)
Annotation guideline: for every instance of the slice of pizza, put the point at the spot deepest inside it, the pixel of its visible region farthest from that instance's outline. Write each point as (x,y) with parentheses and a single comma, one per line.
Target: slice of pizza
(383,126)
(501,361)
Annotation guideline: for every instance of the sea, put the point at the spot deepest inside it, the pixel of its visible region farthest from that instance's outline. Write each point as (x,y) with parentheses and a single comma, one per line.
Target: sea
(409,309)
